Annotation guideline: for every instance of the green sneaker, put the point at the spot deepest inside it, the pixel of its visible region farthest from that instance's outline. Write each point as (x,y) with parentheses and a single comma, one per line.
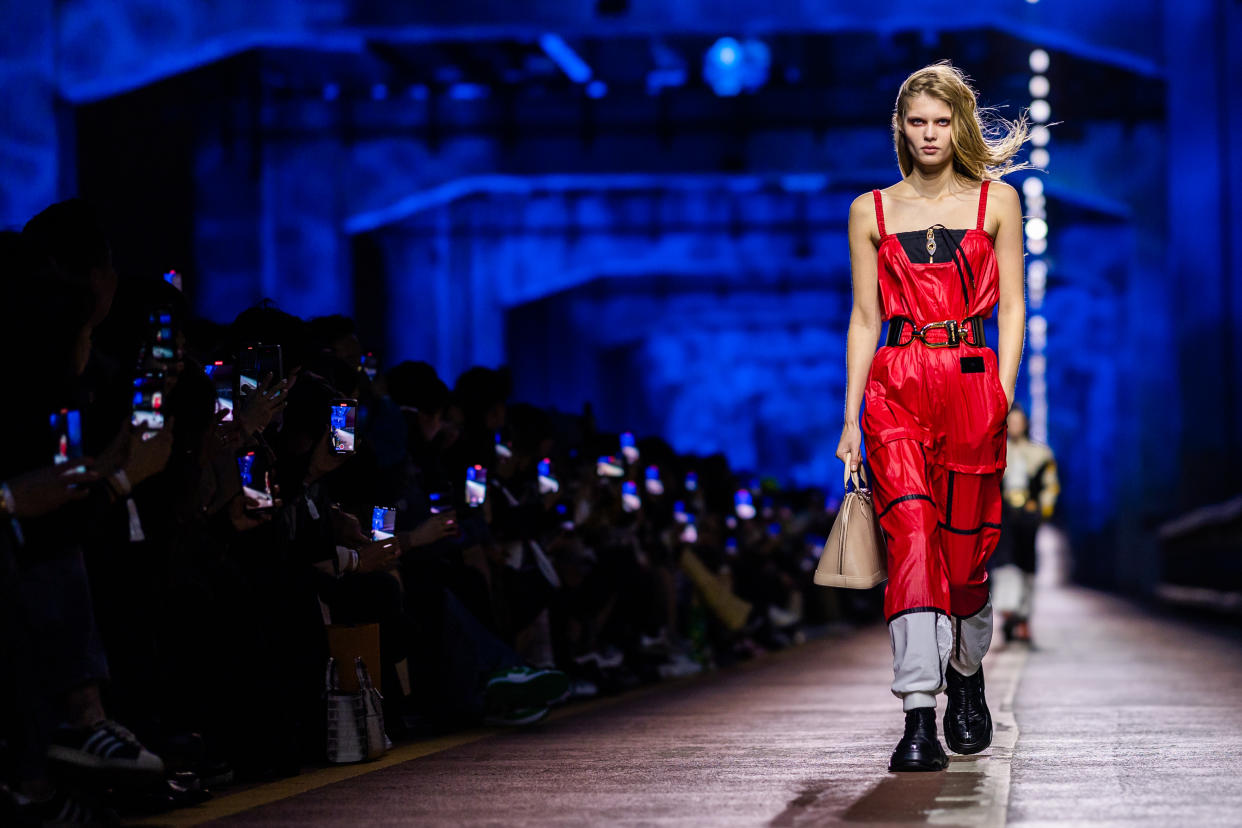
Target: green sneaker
(524,688)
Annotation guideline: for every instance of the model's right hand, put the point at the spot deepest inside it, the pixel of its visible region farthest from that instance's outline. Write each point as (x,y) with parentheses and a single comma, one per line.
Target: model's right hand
(850,448)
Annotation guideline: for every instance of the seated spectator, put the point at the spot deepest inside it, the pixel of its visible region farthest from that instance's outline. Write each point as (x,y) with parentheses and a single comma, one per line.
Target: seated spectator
(196,532)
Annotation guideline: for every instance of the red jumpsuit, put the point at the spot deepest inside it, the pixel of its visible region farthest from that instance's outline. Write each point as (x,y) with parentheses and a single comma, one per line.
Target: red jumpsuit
(934,426)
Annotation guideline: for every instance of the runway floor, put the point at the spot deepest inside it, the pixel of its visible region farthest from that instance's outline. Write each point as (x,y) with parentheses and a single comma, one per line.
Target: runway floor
(1119,717)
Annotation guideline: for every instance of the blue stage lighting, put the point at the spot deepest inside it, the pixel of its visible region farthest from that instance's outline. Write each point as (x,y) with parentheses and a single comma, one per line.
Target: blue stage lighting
(596,89)
(669,68)
(468,91)
(731,67)
(668,78)
(563,55)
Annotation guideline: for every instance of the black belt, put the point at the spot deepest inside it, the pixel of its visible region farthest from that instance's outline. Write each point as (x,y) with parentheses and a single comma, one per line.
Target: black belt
(955,332)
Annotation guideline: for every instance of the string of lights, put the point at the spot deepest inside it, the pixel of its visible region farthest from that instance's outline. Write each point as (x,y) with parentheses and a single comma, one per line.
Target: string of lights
(1036,229)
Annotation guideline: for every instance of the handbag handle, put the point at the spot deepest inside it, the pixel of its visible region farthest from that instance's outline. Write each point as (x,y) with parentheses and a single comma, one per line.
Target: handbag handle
(364,676)
(859,477)
(330,682)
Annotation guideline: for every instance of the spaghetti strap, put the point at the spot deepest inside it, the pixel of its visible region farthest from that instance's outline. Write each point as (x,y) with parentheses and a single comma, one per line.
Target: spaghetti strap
(983,203)
(879,212)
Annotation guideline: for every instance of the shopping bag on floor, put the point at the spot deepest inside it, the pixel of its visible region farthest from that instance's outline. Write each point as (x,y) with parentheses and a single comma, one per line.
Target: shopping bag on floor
(355,720)
(348,641)
(854,556)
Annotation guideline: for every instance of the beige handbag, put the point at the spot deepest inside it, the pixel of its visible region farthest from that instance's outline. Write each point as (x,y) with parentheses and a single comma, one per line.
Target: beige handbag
(854,556)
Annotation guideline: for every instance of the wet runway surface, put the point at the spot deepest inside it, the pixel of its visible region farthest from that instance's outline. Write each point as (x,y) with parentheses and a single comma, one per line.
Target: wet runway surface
(1118,718)
(1127,719)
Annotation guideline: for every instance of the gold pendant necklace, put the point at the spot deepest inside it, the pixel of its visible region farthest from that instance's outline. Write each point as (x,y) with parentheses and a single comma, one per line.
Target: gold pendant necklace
(931,247)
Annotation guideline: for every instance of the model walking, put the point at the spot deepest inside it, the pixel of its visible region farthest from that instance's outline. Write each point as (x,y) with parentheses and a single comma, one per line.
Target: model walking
(936,396)
(1030,493)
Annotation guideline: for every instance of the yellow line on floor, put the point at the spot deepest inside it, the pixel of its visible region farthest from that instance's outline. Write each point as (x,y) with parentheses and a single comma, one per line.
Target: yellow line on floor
(265,794)
(270,792)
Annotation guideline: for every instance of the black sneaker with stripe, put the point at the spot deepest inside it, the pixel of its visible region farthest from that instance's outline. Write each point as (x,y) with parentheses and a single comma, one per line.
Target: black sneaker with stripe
(107,748)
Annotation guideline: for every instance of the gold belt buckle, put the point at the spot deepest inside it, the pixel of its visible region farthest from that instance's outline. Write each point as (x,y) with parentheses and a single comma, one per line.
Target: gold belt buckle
(951,329)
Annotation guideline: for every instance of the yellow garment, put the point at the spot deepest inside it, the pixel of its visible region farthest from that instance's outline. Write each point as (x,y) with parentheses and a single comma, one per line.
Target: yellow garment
(1025,460)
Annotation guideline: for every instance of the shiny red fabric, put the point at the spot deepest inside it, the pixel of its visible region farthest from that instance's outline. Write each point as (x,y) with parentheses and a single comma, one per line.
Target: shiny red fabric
(935,432)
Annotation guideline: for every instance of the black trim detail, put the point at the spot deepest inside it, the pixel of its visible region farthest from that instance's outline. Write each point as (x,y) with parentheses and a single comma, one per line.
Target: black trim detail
(948,503)
(957,641)
(897,500)
(897,615)
(974,531)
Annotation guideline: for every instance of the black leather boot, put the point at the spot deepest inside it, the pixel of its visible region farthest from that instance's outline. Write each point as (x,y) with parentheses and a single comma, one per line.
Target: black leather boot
(919,749)
(967,721)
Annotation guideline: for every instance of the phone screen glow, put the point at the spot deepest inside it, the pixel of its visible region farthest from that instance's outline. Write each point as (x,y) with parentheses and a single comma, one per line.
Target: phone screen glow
(343,418)
(383,523)
(476,485)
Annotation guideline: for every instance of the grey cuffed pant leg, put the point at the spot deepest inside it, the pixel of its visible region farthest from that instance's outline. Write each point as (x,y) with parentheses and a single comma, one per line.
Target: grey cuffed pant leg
(922,642)
(972,636)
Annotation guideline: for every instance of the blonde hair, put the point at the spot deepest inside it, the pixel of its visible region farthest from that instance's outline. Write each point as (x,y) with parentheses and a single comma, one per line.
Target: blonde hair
(984,144)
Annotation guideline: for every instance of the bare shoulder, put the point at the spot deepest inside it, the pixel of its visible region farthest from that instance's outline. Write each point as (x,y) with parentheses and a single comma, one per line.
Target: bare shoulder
(1004,208)
(1002,195)
(862,215)
(865,203)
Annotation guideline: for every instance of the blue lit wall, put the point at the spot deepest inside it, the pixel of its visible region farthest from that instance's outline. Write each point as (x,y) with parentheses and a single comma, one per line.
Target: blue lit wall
(755,372)
(676,258)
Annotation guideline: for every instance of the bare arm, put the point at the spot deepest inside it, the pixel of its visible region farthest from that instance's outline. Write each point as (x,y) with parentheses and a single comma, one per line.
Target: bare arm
(864,330)
(1011,310)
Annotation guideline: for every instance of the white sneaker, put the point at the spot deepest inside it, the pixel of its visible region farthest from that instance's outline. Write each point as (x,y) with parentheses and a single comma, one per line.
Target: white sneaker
(680,666)
(108,748)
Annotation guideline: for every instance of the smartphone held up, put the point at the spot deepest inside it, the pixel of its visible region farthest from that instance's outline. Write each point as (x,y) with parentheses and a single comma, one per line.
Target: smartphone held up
(66,427)
(548,484)
(383,523)
(256,481)
(222,378)
(630,501)
(476,486)
(343,416)
(147,409)
(254,362)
